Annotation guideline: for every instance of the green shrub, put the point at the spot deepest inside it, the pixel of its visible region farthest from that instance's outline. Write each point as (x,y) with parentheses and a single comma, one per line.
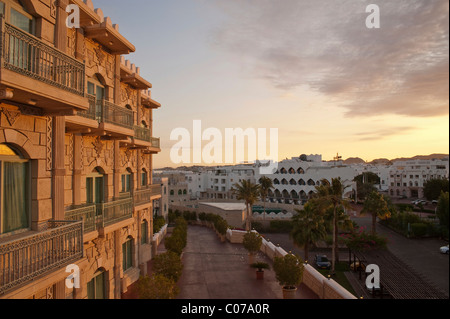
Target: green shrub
(221,226)
(158,224)
(252,242)
(289,270)
(157,287)
(281,226)
(419,229)
(169,265)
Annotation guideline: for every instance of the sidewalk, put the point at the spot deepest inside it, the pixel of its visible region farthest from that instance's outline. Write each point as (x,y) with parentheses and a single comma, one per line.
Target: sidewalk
(215,270)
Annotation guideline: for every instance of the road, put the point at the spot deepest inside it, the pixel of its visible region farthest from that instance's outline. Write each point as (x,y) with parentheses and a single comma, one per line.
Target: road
(420,254)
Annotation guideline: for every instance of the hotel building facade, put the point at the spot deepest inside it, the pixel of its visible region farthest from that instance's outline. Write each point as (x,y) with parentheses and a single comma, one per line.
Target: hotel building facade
(76,153)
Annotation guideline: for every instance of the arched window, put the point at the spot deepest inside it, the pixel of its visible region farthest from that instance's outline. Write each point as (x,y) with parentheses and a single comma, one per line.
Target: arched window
(127,251)
(311,183)
(291,171)
(96,288)
(126,181)
(301,182)
(276,181)
(284,182)
(95,192)
(301,171)
(292,182)
(144,232)
(180,192)
(14,190)
(144,178)
(184,192)
(283,171)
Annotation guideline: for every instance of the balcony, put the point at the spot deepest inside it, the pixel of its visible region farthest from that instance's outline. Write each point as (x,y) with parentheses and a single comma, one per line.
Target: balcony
(115,212)
(144,196)
(86,214)
(143,138)
(38,254)
(103,118)
(36,74)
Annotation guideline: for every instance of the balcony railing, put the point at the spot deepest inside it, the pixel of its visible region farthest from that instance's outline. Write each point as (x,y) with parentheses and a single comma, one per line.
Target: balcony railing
(156,142)
(23,260)
(106,112)
(115,211)
(143,134)
(29,56)
(86,214)
(144,195)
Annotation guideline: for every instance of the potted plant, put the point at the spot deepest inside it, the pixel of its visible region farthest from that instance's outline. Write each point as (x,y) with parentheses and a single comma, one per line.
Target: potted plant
(260,266)
(289,273)
(252,242)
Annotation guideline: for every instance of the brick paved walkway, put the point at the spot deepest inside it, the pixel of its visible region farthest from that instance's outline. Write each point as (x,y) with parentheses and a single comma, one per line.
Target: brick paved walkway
(216,270)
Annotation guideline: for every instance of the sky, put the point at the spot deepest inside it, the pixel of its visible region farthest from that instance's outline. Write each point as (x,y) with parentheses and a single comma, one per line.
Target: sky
(310,68)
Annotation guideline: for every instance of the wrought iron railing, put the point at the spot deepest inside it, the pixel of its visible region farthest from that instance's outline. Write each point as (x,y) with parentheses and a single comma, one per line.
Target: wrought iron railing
(86,214)
(115,211)
(27,258)
(27,55)
(91,112)
(144,195)
(156,142)
(110,113)
(143,134)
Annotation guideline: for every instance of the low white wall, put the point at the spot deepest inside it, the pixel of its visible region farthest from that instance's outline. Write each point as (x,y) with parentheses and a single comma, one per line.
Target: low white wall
(324,288)
(158,237)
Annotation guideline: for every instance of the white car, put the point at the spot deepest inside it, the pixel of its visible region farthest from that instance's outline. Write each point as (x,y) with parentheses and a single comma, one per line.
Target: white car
(444,250)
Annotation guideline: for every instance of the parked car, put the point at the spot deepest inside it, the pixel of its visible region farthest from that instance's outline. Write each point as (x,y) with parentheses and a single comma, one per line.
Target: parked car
(444,250)
(435,202)
(322,262)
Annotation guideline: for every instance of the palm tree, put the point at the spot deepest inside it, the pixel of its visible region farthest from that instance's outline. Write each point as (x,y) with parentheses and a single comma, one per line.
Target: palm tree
(377,207)
(265,185)
(330,196)
(248,192)
(308,228)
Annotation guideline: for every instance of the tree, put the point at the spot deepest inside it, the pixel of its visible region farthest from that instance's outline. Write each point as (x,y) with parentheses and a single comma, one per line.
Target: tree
(443,209)
(248,192)
(288,270)
(365,184)
(330,196)
(308,228)
(169,265)
(252,243)
(434,187)
(157,287)
(376,206)
(265,185)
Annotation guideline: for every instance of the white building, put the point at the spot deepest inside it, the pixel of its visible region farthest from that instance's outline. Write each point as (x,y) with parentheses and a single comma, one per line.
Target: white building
(407,178)
(296,179)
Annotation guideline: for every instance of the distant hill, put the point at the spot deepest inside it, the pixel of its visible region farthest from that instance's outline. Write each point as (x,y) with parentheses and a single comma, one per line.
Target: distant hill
(422,157)
(354,160)
(381,161)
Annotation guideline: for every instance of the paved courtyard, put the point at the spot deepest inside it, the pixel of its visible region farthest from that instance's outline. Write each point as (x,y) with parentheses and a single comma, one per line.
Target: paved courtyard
(216,270)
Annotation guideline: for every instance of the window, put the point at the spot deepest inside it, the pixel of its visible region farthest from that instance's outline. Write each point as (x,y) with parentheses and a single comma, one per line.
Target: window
(95,193)
(126,183)
(144,178)
(144,233)
(96,288)
(127,250)
(14,191)
(16,15)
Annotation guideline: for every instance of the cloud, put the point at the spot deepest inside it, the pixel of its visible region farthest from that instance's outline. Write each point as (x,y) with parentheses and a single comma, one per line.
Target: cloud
(401,68)
(383,133)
